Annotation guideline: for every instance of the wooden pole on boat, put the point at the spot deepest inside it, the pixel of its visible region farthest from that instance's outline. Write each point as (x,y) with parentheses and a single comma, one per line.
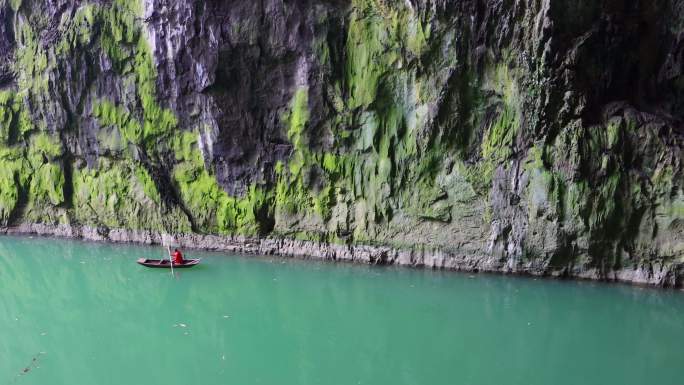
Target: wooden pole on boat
(168,248)
(165,241)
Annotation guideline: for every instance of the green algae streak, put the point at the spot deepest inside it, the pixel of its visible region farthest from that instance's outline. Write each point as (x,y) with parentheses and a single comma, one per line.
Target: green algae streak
(82,313)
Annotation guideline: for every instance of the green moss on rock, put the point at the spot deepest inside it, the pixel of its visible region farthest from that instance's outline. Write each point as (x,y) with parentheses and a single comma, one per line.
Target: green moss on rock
(44,147)
(13,179)
(149,187)
(110,115)
(212,209)
(47,185)
(120,195)
(125,43)
(9,108)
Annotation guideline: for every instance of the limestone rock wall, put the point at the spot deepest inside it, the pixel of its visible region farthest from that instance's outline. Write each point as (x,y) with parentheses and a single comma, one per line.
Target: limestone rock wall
(545,136)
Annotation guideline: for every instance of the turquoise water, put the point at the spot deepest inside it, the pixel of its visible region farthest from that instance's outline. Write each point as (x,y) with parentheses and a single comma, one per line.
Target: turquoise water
(83,313)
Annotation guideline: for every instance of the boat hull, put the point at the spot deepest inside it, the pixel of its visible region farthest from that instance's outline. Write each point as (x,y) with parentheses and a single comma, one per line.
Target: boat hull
(165,263)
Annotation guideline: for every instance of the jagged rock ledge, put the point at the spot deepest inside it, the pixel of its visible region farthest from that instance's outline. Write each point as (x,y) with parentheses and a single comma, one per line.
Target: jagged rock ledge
(647,273)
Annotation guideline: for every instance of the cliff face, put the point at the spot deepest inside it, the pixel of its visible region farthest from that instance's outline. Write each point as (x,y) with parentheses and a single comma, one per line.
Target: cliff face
(545,136)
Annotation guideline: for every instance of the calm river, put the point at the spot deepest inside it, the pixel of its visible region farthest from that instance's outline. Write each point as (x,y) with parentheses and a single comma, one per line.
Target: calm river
(85,313)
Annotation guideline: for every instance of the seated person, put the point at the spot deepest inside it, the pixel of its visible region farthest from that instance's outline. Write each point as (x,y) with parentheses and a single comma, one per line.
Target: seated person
(177,257)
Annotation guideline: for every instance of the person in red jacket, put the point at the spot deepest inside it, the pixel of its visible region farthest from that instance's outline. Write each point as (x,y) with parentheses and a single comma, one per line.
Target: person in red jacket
(177,257)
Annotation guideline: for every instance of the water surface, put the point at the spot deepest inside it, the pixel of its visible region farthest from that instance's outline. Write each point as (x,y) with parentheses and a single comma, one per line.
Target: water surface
(84,313)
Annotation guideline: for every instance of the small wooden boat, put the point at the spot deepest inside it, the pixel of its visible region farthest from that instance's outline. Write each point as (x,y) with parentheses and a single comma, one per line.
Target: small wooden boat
(165,263)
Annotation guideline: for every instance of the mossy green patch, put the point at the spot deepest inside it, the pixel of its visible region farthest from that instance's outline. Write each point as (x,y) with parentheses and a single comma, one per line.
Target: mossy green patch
(186,148)
(9,193)
(212,209)
(498,141)
(79,30)
(14,173)
(110,115)
(149,187)
(15,4)
(43,148)
(125,43)
(47,185)
(247,215)
(380,38)
(364,68)
(31,63)
(294,194)
(605,202)
(120,194)
(297,118)
(9,108)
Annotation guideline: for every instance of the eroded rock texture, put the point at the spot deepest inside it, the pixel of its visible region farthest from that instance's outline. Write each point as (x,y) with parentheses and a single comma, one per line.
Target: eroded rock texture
(545,135)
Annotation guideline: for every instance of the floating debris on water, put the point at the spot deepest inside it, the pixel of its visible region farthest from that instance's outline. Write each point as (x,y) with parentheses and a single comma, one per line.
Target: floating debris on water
(32,365)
